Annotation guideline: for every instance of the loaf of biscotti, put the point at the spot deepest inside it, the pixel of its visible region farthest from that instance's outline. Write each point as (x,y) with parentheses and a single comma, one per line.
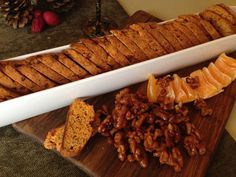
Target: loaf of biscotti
(136,43)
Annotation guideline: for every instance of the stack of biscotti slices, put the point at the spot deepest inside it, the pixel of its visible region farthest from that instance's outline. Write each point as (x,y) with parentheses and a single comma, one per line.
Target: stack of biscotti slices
(70,138)
(136,43)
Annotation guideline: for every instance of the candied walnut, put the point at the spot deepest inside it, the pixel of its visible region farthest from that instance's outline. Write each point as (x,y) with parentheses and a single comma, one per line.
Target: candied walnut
(201,105)
(193,82)
(136,127)
(106,126)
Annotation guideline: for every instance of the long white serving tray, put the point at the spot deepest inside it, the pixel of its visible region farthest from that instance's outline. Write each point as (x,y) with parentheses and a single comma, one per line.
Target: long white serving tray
(34,104)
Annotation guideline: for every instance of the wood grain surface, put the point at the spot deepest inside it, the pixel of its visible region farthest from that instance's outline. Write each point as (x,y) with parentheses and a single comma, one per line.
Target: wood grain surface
(99,159)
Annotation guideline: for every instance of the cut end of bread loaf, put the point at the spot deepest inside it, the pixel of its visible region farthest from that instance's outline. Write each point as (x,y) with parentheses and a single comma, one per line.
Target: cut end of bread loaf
(54,138)
(78,128)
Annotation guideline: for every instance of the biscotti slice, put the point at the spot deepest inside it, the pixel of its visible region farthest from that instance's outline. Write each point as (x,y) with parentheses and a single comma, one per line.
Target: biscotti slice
(140,42)
(202,37)
(189,34)
(78,128)
(221,24)
(47,71)
(138,53)
(82,61)
(51,61)
(168,35)
(100,53)
(54,138)
(229,10)
(83,50)
(112,51)
(75,68)
(6,94)
(221,10)
(35,76)
(10,71)
(210,28)
(122,48)
(183,40)
(7,82)
(152,42)
(150,28)
(193,18)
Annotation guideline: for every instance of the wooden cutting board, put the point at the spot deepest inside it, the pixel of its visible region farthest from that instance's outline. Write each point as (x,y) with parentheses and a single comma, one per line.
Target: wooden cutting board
(100,159)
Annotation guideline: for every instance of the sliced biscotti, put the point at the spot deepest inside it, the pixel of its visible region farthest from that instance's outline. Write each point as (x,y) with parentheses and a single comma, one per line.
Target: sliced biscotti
(221,24)
(138,53)
(82,61)
(83,50)
(168,35)
(6,94)
(112,51)
(75,68)
(224,12)
(15,75)
(194,19)
(54,138)
(149,39)
(141,42)
(198,32)
(35,76)
(78,128)
(100,53)
(150,28)
(209,28)
(183,40)
(7,82)
(189,34)
(51,61)
(47,71)
(122,48)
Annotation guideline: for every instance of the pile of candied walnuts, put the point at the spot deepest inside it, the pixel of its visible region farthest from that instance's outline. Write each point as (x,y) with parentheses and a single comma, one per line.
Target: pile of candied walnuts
(137,127)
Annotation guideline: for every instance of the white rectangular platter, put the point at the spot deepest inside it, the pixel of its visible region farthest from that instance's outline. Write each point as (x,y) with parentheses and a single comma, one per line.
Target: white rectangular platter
(34,104)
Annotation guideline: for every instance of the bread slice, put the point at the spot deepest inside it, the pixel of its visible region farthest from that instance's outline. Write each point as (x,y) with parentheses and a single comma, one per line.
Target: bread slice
(149,39)
(224,12)
(168,35)
(194,19)
(150,28)
(138,53)
(202,37)
(47,71)
(210,29)
(141,42)
(122,48)
(181,37)
(83,50)
(35,76)
(100,53)
(51,61)
(11,71)
(10,84)
(112,51)
(221,24)
(6,94)
(75,68)
(78,128)
(54,138)
(189,34)
(85,63)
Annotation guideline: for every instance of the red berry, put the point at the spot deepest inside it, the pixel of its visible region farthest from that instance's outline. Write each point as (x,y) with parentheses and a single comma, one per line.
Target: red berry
(38,24)
(51,18)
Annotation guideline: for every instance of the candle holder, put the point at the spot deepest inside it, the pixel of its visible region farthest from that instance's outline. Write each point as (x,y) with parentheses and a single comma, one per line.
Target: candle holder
(99,25)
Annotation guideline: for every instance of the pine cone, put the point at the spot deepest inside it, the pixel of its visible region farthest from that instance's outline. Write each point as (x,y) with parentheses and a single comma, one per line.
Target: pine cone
(17,13)
(61,5)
